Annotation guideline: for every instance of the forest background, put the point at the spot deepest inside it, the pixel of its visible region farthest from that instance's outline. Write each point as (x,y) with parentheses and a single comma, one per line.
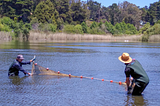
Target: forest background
(21,17)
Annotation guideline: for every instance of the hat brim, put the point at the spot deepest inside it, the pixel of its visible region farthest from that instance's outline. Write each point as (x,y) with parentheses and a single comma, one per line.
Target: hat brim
(128,61)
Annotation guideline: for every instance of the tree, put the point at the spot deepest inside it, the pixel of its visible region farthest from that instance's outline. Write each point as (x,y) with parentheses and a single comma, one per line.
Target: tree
(62,6)
(154,13)
(78,13)
(44,11)
(85,7)
(94,8)
(20,9)
(114,13)
(8,8)
(130,13)
(144,14)
(105,13)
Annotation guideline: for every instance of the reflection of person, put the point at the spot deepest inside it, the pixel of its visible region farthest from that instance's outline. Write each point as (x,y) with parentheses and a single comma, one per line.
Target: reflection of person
(134,69)
(136,101)
(16,66)
(16,80)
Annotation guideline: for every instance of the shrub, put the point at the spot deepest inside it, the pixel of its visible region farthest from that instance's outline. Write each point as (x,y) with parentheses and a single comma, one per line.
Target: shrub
(94,25)
(145,38)
(78,29)
(123,26)
(118,27)
(1,27)
(69,29)
(144,28)
(34,21)
(110,27)
(96,31)
(132,29)
(128,32)
(44,27)
(53,27)
(100,24)
(84,27)
(158,22)
(9,22)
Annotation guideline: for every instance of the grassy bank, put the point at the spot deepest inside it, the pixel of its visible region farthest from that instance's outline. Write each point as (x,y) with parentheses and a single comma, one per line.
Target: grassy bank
(154,38)
(54,37)
(37,36)
(5,36)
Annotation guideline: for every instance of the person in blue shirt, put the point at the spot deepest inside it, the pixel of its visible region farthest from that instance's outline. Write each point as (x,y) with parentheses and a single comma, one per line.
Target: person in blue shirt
(16,66)
(134,69)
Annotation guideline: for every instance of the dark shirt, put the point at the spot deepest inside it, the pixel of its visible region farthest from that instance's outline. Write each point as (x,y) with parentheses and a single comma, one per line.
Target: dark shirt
(16,67)
(135,70)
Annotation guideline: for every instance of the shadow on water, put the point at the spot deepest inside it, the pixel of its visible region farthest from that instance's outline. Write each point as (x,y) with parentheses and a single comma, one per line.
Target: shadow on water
(135,101)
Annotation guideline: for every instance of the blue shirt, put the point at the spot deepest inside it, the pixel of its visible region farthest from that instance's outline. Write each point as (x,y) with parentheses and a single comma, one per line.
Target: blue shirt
(16,67)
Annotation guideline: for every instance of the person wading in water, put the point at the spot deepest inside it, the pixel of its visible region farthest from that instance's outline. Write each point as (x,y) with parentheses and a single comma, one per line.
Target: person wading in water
(16,66)
(134,69)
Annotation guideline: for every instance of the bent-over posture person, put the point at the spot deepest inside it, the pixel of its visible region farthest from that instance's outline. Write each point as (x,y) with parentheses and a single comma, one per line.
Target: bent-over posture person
(134,69)
(16,66)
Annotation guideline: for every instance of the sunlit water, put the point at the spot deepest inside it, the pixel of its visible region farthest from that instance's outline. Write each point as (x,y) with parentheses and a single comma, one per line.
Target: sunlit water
(98,60)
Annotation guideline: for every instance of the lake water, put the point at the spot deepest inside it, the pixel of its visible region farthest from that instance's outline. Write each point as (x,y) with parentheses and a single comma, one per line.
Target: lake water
(92,59)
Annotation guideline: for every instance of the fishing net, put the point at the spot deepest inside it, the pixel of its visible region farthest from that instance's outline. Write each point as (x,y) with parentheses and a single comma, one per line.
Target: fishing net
(39,70)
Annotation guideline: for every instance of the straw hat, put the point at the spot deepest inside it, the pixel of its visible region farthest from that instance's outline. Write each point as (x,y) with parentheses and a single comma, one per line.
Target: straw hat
(125,58)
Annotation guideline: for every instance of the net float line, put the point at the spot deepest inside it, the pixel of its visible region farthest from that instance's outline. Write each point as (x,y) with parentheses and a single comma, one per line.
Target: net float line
(39,70)
(120,83)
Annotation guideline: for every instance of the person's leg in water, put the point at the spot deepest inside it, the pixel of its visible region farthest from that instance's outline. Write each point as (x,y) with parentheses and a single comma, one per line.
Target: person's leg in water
(131,87)
(139,88)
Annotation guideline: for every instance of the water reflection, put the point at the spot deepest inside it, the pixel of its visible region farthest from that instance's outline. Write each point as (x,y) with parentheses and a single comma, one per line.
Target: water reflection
(15,45)
(135,101)
(16,80)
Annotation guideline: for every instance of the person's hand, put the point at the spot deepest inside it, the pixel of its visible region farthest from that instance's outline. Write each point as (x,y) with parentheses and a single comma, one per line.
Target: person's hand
(30,74)
(129,91)
(34,58)
(129,88)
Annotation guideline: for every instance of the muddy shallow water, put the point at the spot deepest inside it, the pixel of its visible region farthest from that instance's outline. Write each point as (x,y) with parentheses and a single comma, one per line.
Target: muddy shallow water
(98,60)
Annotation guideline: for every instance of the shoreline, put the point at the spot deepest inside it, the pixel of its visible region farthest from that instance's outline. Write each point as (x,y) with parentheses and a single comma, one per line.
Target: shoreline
(63,37)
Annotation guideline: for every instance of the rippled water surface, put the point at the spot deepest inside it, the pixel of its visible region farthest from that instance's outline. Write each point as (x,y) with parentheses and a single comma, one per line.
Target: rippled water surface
(98,60)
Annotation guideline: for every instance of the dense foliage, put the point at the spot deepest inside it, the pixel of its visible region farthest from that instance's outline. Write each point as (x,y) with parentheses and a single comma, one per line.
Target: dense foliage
(76,16)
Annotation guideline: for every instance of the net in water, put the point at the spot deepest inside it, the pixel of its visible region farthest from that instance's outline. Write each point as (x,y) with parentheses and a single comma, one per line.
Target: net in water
(39,70)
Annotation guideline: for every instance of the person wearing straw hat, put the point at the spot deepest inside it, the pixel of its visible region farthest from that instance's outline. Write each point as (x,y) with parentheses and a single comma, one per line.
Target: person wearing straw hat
(134,69)
(16,66)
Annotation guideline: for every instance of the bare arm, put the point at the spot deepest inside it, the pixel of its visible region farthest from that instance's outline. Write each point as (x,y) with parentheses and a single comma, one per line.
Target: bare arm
(127,81)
